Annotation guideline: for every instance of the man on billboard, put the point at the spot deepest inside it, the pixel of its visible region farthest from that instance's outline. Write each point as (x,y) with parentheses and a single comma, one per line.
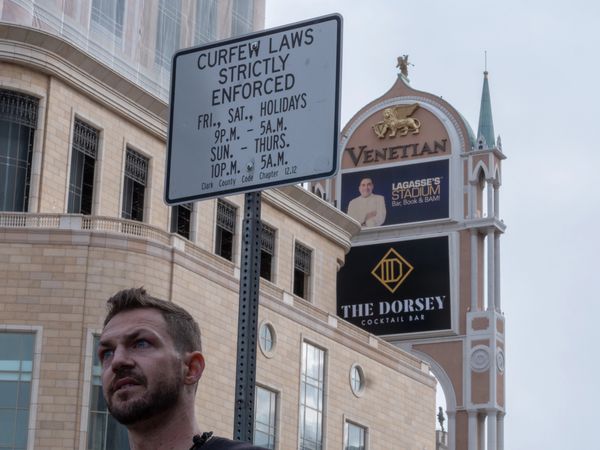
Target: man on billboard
(367,208)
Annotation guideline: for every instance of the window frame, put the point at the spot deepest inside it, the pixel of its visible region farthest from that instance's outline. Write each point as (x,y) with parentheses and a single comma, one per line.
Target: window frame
(267,352)
(116,30)
(174,221)
(276,405)
(97,159)
(87,387)
(37,331)
(322,383)
(218,238)
(357,391)
(125,179)
(307,283)
(26,116)
(108,417)
(162,51)
(240,24)
(365,435)
(211,7)
(264,250)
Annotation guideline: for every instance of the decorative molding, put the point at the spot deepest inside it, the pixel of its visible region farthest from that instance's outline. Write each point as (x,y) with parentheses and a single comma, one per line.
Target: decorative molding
(402,101)
(500,360)
(54,56)
(315,213)
(480,358)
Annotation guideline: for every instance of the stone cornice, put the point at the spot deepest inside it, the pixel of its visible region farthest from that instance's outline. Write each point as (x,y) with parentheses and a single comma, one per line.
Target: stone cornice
(497,152)
(315,213)
(57,57)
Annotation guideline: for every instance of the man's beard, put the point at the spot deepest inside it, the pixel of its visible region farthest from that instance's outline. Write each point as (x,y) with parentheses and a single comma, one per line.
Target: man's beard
(163,397)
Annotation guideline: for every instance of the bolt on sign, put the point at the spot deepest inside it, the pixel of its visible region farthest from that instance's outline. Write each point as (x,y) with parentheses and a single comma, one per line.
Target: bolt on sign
(397,287)
(257,111)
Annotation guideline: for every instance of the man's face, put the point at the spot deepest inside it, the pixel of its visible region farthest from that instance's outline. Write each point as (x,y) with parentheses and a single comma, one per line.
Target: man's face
(365,187)
(142,372)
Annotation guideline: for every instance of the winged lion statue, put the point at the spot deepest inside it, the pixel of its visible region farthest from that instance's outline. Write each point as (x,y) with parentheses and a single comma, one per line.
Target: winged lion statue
(397,119)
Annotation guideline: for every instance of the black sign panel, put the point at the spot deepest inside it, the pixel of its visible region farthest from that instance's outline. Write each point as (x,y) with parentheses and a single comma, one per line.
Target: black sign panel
(398,287)
(399,194)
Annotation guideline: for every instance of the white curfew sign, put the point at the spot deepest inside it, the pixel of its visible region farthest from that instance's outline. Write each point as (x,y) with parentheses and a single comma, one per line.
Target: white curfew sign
(255,112)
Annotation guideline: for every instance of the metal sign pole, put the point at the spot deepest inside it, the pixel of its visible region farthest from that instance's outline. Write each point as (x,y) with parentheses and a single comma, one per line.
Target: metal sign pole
(248,319)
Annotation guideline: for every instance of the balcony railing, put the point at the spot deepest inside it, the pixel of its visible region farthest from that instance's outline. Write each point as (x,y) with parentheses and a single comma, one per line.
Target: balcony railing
(90,223)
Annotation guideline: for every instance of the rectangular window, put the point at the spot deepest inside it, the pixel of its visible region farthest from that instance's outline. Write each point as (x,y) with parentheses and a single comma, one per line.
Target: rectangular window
(267,251)
(16,373)
(302,270)
(168,31)
(104,432)
(83,163)
(264,418)
(107,16)
(206,21)
(355,437)
(226,213)
(312,389)
(18,121)
(242,17)
(181,219)
(134,186)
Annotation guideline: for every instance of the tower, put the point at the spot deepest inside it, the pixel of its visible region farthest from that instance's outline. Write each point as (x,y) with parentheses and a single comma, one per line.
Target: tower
(424,272)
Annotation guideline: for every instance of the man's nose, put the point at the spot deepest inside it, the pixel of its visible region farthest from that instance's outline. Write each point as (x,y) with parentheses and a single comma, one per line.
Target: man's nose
(121,358)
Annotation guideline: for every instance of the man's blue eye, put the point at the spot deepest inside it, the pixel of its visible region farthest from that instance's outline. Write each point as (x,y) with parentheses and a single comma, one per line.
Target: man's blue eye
(141,343)
(106,354)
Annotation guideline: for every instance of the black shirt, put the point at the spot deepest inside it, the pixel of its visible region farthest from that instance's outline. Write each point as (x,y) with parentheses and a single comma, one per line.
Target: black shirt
(219,443)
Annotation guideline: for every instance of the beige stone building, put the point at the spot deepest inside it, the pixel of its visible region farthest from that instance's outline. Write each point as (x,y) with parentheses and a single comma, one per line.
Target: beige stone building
(82,154)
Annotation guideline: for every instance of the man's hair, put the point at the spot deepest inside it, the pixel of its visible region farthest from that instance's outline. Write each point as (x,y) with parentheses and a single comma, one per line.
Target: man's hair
(181,326)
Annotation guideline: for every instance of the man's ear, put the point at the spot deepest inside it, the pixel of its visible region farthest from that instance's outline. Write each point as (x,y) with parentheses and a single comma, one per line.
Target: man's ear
(194,366)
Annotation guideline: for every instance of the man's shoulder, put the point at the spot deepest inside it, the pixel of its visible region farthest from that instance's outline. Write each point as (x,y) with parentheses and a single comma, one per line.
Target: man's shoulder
(219,443)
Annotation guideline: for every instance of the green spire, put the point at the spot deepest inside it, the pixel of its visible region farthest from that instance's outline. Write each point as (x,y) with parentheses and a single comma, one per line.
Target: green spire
(486,123)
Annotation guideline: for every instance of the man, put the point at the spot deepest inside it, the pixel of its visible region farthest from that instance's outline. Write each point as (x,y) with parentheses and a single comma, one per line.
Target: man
(151,359)
(368,208)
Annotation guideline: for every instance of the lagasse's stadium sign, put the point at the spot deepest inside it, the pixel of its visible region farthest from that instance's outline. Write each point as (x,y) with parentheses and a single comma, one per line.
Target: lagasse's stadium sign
(423,190)
(365,155)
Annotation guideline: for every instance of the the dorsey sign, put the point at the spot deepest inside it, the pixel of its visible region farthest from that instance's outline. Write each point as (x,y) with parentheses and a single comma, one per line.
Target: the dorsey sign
(394,288)
(399,194)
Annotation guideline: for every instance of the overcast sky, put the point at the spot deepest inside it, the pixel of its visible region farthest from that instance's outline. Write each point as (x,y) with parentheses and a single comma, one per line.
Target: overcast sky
(543,71)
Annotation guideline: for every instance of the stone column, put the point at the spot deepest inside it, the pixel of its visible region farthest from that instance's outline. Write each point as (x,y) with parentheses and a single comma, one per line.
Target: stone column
(490,270)
(496,200)
(497,300)
(481,434)
(491,430)
(451,429)
(490,198)
(500,431)
(472,430)
(474,269)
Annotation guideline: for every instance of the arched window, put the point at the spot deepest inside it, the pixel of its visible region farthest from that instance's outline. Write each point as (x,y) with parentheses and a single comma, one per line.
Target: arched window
(18,121)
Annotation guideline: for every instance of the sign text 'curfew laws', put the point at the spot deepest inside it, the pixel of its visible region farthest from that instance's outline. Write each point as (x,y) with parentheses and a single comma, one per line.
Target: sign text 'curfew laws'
(253,112)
